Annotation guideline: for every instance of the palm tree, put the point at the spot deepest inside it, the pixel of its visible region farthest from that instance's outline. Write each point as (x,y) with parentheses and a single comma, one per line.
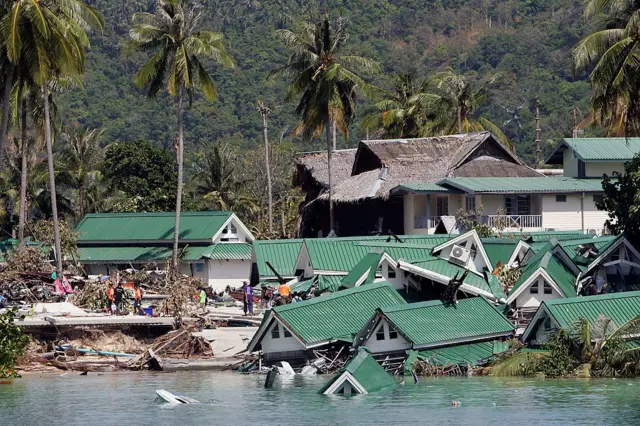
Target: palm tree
(325,79)
(173,32)
(81,157)
(403,112)
(264,112)
(49,39)
(614,51)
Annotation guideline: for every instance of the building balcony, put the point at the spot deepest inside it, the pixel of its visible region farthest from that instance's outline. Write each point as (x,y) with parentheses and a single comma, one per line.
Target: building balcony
(513,222)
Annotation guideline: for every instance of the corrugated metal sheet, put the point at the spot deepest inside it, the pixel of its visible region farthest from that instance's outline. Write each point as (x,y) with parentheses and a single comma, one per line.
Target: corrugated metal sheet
(367,266)
(194,226)
(281,254)
(604,149)
(471,353)
(336,315)
(491,185)
(601,244)
(433,323)
(557,270)
(422,188)
(499,251)
(619,307)
(123,254)
(369,373)
(229,251)
(443,267)
(329,283)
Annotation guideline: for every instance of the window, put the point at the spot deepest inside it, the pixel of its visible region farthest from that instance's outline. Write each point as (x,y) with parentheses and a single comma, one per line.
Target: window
(470,204)
(286,333)
(581,169)
(547,288)
(516,205)
(233,228)
(442,206)
(393,334)
(391,273)
(561,198)
(380,333)
(534,288)
(275,332)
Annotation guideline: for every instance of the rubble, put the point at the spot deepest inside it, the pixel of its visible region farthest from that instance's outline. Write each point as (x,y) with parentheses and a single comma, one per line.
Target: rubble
(176,343)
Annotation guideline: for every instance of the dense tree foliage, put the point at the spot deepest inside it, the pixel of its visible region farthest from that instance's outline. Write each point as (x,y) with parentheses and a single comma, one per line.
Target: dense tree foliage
(529,42)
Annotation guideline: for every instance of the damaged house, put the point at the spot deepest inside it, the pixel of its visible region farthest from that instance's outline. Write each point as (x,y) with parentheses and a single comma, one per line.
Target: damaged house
(291,332)
(363,200)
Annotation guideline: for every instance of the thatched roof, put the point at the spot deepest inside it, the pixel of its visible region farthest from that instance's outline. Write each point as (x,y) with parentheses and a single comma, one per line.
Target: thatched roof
(402,161)
(315,164)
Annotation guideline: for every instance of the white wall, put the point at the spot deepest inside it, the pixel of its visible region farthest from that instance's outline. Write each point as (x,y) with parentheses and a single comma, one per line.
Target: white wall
(528,300)
(282,344)
(490,203)
(570,164)
(597,168)
(407,200)
(222,273)
(242,237)
(477,264)
(568,215)
(386,345)
(395,282)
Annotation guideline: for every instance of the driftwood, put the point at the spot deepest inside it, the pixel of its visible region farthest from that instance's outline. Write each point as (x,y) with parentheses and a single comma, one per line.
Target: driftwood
(179,342)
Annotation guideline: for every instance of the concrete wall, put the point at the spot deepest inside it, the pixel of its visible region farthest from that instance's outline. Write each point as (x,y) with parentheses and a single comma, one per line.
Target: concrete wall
(528,300)
(597,169)
(281,344)
(490,203)
(570,164)
(407,201)
(222,273)
(568,215)
(386,345)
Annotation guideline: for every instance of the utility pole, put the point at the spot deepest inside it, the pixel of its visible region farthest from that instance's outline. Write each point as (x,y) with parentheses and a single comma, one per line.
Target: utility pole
(538,130)
(264,112)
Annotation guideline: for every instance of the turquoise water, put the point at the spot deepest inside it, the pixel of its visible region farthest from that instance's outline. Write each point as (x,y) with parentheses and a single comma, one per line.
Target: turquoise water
(233,399)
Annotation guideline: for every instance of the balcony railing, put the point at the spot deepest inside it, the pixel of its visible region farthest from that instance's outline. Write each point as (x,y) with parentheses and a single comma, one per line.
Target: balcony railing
(513,221)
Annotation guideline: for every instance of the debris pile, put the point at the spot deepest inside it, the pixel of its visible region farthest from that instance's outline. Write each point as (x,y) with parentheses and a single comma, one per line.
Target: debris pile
(179,343)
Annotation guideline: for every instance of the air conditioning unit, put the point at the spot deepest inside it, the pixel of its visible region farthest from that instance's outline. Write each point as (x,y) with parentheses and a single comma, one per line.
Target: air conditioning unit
(459,255)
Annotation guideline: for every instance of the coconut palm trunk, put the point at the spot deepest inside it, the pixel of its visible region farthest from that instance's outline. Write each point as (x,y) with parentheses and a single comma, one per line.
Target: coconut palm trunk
(8,84)
(81,197)
(329,150)
(265,132)
(23,172)
(52,179)
(176,228)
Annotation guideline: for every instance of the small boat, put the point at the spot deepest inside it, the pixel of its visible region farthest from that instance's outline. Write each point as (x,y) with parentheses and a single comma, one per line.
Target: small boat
(175,399)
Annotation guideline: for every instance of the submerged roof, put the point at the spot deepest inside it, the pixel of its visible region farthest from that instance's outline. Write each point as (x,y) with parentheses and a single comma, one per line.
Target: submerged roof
(330,317)
(367,373)
(495,185)
(435,323)
(596,149)
(477,353)
(152,227)
(281,254)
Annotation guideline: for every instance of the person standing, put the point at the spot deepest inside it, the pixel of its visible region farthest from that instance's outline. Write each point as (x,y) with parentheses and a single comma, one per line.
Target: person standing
(265,300)
(247,291)
(137,304)
(119,298)
(285,293)
(202,299)
(110,298)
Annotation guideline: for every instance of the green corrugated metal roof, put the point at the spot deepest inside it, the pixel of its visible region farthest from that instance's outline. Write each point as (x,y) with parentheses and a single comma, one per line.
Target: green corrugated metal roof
(281,254)
(597,149)
(471,353)
(557,270)
(435,323)
(440,266)
(229,251)
(545,236)
(335,315)
(407,251)
(367,268)
(495,185)
(194,226)
(366,371)
(422,188)
(342,254)
(329,283)
(619,307)
(499,251)
(600,243)
(123,254)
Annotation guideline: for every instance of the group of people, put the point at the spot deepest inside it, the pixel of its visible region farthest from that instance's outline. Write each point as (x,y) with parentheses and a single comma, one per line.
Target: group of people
(116,299)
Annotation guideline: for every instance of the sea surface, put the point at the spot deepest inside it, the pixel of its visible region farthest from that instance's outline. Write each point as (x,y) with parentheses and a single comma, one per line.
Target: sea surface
(235,399)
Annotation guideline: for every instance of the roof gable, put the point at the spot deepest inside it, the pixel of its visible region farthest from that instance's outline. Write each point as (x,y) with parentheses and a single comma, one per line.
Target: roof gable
(363,373)
(467,240)
(152,227)
(434,323)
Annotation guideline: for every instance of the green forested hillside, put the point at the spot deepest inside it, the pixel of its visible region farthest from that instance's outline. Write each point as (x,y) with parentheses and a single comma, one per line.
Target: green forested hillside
(528,41)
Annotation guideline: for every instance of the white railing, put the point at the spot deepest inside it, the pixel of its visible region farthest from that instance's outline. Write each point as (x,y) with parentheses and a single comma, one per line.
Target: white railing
(425,222)
(513,221)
